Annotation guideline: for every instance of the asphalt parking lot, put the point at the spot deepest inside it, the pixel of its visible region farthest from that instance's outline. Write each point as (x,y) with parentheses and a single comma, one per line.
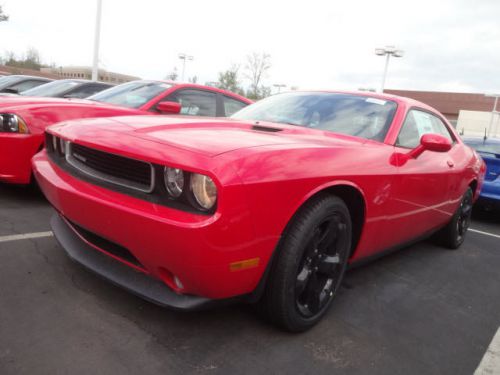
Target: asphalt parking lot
(422,310)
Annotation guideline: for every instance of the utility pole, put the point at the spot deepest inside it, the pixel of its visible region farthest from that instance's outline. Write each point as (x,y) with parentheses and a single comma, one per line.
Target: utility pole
(279,86)
(388,51)
(184,57)
(97,37)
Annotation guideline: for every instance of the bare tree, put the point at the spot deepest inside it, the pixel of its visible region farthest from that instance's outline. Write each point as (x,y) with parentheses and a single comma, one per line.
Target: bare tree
(3,16)
(173,75)
(256,69)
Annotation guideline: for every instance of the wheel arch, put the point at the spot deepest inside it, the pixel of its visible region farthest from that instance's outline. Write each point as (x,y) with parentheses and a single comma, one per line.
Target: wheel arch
(355,200)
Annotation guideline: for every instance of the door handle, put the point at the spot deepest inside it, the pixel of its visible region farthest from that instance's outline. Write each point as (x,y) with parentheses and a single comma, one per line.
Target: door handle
(450,164)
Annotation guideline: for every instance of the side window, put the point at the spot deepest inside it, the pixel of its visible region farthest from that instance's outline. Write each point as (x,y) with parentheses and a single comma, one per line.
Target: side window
(195,102)
(26,85)
(85,91)
(232,105)
(418,123)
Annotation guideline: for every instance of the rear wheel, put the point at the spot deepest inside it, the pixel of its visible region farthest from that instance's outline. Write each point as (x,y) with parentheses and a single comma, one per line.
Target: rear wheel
(312,259)
(453,234)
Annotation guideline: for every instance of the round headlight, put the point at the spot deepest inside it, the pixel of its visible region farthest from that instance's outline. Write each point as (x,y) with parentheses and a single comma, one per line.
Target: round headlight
(12,123)
(204,191)
(174,181)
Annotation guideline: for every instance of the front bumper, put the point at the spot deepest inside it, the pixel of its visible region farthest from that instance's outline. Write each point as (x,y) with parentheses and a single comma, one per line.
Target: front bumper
(119,274)
(16,151)
(199,250)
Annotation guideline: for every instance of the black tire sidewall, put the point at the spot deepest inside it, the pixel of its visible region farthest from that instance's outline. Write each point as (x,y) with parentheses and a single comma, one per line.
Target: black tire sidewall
(290,253)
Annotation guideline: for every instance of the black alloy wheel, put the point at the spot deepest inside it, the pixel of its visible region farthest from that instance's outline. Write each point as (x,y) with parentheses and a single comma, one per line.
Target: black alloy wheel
(310,264)
(453,234)
(321,266)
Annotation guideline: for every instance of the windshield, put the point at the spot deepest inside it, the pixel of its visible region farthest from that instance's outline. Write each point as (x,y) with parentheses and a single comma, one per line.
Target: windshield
(356,115)
(7,80)
(51,89)
(131,94)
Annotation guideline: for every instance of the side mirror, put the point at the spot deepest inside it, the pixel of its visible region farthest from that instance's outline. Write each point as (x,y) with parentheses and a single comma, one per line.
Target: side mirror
(169,107)
(431,142)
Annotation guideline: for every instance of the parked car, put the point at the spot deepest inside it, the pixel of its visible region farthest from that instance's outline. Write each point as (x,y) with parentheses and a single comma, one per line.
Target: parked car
(269,206)
(489,149)
(68,88)
(14,84)
(24,119)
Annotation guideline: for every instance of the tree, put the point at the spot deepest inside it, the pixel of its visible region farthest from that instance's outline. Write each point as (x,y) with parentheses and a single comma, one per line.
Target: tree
(3,16)
(31,60)
(228,80)
(256,69)
(173,75)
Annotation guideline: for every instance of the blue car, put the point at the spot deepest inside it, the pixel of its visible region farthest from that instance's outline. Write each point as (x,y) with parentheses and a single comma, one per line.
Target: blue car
(489,149)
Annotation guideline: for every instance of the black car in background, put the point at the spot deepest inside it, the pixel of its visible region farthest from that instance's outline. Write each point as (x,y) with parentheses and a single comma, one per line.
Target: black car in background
(68,88)
(15,84)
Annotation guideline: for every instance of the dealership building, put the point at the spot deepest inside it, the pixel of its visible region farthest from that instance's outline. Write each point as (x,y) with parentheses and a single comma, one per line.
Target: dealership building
(470,113)
(85,72)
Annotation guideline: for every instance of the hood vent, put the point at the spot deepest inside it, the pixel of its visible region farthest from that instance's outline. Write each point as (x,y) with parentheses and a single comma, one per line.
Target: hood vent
(266,129)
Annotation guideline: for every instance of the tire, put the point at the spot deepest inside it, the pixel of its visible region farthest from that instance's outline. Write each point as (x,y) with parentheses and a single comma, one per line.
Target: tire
(453,234)
(310,265)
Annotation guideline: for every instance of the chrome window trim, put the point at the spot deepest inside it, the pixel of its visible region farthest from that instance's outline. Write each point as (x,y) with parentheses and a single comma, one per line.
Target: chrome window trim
(75,163)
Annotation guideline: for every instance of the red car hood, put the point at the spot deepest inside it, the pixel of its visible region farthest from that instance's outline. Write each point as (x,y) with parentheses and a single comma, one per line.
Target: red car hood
(24,101)
(207,136)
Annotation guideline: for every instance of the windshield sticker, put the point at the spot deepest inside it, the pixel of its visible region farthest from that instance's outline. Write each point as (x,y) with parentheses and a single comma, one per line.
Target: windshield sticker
(375,101)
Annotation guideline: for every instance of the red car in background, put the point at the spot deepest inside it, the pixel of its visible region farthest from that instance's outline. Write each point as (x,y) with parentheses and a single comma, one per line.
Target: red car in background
(24,119)
(269,206)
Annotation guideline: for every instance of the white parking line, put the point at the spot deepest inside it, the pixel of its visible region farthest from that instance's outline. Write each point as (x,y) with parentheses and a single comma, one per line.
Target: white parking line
(485,233)
(17,237)
(490,364)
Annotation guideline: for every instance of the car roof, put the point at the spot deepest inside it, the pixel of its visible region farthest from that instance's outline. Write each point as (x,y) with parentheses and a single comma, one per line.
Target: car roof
(476,140)
(198,86)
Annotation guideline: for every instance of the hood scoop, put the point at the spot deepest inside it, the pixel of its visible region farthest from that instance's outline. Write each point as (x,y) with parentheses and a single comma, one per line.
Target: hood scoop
(266,129)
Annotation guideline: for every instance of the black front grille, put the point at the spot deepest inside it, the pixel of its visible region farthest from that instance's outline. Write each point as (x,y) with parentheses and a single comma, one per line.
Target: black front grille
(106,245)
(113,167)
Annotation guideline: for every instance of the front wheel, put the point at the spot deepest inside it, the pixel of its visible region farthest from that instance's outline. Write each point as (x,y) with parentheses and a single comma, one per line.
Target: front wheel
(310,265)
(453,234)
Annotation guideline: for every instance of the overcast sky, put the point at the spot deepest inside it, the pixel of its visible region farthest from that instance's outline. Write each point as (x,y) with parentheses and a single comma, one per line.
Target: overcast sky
(449,45)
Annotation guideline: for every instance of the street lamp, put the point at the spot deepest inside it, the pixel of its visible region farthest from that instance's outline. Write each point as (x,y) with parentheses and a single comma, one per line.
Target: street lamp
(97,37)
(388,51)
(279,86)
(184,57)
(493,112)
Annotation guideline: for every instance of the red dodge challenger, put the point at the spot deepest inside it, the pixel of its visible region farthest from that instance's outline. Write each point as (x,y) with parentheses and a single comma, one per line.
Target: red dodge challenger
(270,206)
(24,119)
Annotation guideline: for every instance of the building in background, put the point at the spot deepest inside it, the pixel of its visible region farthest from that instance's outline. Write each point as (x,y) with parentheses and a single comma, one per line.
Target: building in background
(449,103)
(85,72)
(11,70)
(470,113)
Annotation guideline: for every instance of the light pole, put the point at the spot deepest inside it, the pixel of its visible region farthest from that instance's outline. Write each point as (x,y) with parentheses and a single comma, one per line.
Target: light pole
(388,51)
(97,37)
(184,57)
(493,112)
(279,86)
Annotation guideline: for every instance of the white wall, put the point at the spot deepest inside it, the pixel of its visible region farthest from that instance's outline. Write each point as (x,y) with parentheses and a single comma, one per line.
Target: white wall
(473,123)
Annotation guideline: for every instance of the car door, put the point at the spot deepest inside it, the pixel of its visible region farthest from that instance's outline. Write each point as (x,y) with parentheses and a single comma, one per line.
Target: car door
(423,183)
(195,102)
